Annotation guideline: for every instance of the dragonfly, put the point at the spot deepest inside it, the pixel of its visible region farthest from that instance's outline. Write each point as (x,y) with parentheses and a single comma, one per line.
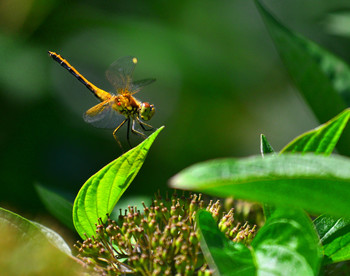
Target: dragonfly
(116,109)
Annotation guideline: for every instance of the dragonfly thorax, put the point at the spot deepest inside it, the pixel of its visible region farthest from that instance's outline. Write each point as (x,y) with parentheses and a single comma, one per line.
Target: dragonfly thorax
(126,105)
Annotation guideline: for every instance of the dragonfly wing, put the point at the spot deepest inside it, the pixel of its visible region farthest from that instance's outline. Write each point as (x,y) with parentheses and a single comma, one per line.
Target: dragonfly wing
(119,74)
(103,115)
(137,85)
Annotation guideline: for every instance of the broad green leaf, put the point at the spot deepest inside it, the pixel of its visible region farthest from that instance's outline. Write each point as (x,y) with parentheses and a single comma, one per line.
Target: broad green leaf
(322,78)
(287,245)
(266,148)
(101,192)
(312,182)
(322,139)
(58,206)
(33,231)
(223,256)
(335,237)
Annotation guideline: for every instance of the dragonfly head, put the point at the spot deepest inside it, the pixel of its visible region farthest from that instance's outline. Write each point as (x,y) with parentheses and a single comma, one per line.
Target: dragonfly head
(146,111)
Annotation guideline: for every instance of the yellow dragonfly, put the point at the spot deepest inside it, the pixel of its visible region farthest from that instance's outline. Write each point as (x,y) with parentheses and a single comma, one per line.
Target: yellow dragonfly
(116,109)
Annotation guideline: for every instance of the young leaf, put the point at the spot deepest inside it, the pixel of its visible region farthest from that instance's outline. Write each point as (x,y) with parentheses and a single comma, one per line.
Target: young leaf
(56,205)
(311,182)
(223,256)
(101,192)
(322,78)
(322,139)
(287,244)
(335,237)
(266,148)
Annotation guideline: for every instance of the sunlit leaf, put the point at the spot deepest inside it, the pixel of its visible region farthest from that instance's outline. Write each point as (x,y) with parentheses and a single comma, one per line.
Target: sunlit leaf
(58,206)
(322,78)
(335,237)
(101,192)
(223,256)
(322,139)
(311,182)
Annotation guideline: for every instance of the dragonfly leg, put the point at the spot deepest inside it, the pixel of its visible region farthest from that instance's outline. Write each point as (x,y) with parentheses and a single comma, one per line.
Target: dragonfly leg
(128,133)
(143,124)
(115,132)
(136,131)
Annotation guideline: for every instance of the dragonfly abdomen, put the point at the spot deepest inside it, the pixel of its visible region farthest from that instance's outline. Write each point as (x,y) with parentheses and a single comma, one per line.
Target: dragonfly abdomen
(99,93)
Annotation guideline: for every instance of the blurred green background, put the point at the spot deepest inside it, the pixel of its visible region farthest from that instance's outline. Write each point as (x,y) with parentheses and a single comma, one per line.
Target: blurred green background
(220,84)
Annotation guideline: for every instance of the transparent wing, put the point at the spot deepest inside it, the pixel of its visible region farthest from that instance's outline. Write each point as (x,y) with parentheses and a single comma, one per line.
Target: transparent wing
(119,74)
(137,85)
(103,115)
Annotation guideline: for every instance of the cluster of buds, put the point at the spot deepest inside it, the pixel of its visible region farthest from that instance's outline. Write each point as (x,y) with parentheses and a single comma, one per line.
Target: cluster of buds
(162,240)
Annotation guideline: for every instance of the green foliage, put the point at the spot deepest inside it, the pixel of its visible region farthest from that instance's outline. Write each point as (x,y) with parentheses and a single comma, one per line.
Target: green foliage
(101,192)
(335,236)
(302,177)
(316,72)
(288,241)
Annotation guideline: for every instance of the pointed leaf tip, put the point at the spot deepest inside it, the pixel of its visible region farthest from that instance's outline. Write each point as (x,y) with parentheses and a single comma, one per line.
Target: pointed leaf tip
(100,193)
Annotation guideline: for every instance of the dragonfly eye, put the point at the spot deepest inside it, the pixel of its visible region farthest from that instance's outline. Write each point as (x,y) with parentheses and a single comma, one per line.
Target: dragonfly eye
(146,111)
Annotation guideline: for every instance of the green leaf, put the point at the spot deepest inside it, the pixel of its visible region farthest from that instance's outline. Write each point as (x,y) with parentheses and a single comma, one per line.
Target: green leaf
(311,182)
(101,192)
(266,148)
(223,256)
(322,139)
(287,245)
(322,78)
(33,231)
(56,205)
(335,237)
